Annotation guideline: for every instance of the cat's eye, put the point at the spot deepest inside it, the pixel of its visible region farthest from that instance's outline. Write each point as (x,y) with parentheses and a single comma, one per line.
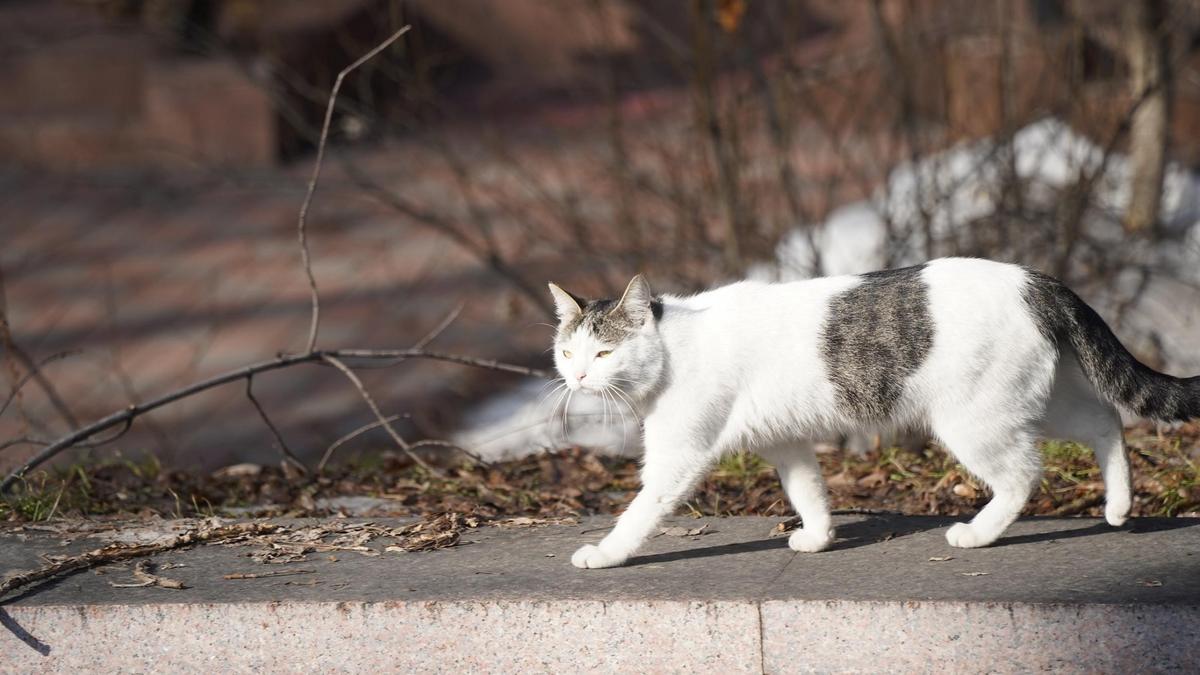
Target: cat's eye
(602,354)
(567,353)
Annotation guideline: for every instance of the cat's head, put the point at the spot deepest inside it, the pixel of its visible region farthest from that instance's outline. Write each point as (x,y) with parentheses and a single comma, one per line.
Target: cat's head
(609,343)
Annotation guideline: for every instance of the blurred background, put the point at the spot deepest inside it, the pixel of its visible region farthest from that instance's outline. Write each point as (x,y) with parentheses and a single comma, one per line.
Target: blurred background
(154,155)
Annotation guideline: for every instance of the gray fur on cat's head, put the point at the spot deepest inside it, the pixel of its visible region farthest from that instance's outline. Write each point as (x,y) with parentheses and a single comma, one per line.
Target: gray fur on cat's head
(610,343)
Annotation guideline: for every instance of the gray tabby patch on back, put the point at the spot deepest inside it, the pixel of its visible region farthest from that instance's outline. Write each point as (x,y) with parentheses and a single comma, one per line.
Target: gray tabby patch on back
(875,336)
(600,320)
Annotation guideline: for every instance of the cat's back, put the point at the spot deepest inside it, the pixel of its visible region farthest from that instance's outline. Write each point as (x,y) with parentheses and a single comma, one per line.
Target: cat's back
(954,290)
(771,297)
(756,314)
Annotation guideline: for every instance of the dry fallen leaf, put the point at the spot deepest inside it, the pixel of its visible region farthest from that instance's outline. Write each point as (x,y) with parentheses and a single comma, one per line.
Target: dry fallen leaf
(974,574)
(940,558)
(678,531)
(873,479)
(238,471)
(143,571)
(526,521)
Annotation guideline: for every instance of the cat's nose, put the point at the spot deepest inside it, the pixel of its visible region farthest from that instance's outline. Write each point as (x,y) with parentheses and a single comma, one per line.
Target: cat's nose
(580,376)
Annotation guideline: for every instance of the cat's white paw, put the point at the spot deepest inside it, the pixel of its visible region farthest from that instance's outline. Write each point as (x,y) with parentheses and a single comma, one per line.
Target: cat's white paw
(1116,512)
(591,557)
(964,535)
(805,540)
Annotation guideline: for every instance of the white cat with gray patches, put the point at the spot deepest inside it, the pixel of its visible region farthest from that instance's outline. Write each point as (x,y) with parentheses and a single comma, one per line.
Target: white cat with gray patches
(987,356)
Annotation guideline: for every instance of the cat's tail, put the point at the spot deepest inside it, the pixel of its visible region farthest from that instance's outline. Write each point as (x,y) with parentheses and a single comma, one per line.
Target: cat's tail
(1119,377)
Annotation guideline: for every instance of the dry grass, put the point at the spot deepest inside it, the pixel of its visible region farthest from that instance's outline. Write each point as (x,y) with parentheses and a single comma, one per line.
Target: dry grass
(574,482)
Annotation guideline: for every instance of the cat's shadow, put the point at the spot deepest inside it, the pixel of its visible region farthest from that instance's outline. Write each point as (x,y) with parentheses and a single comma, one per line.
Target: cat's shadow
(870,530)
(880,528)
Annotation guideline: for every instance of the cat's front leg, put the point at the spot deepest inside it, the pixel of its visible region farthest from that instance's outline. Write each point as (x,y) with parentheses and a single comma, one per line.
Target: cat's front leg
(668,477)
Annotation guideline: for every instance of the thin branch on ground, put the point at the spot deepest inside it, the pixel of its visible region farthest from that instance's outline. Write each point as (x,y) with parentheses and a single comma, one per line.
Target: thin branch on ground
(287,455)
(302,220)
(1078,505)
(119,552)
(265,575)
(451,445)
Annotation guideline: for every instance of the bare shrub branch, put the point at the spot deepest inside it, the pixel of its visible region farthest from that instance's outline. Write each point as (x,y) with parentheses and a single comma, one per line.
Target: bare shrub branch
(353,435)
(14,352)
(127,415)
(118,552)
(288,456)
(31,374)
(302,221)
(366,396)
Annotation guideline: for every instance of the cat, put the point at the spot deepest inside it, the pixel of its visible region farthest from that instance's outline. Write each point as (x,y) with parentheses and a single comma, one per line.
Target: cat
(986,356)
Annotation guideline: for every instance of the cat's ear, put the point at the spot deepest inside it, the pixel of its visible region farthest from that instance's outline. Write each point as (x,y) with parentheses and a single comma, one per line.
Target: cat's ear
(635,302)
(567,306)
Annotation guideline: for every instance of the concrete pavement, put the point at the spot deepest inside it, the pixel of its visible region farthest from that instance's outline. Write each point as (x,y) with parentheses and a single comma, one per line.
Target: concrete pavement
(1063,594)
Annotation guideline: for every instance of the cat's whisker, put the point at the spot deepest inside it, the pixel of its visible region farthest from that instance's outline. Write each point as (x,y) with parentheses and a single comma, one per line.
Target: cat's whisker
(565,412)
(550,415)
(562,385)
(559,393)
(626,379)
(604,409)
(546,392)
(628,403)
(624,431)
(627,382)
(560,380)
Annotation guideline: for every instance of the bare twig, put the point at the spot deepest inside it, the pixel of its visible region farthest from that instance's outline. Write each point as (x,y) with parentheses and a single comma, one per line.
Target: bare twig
(351,436)
(1078,505)
(302,220)
(118,552)
(15,352)
(30,375)
(288,456)
(450,445)
(26,440)
(264,575)
(366,396)
(490,257)
(126,415)
(441,326)
(423,342)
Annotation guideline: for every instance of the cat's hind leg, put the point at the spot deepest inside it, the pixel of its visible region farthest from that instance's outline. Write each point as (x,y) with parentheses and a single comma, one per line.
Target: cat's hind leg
(1076,412)
(1007,461)
(800,474)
